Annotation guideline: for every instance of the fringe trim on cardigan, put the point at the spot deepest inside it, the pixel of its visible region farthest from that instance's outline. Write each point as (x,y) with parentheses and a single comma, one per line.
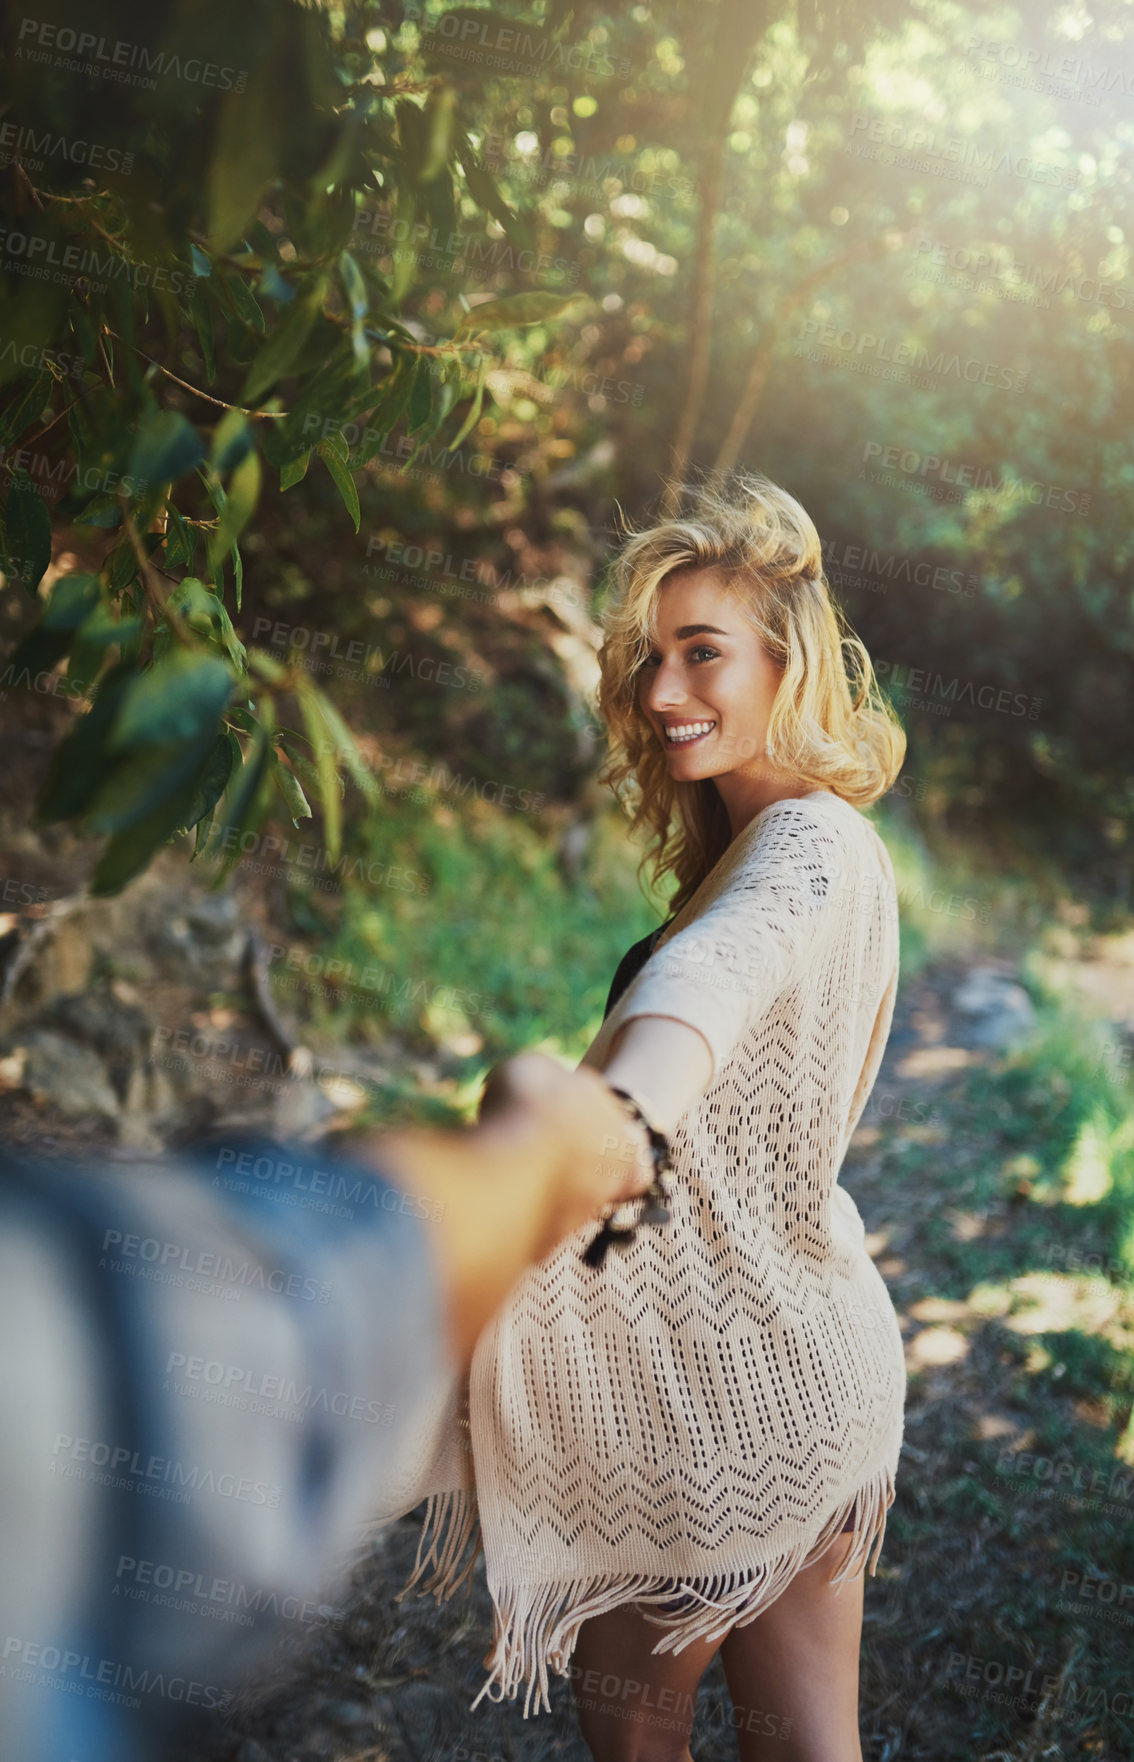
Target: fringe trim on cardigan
(538,1625)
(454,1520)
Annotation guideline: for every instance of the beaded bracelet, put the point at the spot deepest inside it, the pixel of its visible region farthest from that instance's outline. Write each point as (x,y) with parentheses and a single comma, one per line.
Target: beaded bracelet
(620,1226)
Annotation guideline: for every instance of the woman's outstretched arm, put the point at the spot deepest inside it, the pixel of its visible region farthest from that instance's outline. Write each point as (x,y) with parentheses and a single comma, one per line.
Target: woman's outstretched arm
(665,1064)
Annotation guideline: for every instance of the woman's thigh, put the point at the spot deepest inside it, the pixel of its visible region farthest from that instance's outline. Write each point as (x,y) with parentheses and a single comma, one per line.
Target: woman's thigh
(793,1672)
(635,1705)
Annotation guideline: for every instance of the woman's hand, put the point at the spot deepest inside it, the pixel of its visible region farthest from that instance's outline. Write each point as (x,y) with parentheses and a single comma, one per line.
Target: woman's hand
(605,1154)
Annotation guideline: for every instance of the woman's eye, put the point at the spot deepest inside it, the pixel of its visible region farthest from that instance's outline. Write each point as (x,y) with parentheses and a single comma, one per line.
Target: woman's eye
(702,648)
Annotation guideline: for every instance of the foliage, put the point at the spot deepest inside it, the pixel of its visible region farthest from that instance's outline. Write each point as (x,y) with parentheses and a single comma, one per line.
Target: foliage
(461,277)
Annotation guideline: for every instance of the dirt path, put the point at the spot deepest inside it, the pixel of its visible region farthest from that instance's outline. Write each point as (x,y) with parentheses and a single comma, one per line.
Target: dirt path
(967,1587)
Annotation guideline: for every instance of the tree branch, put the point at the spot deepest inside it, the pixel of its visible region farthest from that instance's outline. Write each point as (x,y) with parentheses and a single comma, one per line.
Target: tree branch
(756,383)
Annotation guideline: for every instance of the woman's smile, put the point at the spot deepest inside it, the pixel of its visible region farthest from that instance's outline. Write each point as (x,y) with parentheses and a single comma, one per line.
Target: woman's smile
(687,733)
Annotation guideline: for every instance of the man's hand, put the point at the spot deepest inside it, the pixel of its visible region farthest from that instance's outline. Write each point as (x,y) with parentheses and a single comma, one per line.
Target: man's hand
(552,1147)
(604,1156)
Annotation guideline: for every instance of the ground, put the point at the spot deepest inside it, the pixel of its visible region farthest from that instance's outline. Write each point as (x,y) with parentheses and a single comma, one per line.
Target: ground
(967,1609)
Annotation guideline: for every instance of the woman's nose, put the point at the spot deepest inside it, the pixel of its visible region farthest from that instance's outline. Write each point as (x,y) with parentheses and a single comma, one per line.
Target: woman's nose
(664,689)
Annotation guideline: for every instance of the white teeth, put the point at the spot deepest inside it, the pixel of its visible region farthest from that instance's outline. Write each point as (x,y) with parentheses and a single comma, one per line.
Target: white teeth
(687,731)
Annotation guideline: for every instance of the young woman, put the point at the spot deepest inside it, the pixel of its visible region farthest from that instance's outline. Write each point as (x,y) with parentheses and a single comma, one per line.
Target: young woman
(692,1446)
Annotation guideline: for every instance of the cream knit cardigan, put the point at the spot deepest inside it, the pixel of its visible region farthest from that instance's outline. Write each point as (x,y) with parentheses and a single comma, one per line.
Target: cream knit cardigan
(712,1403)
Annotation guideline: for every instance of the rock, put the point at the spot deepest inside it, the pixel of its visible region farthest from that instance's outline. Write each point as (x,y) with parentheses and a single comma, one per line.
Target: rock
(60,1073)
(207,937)
(119,1032)
(1002,1014)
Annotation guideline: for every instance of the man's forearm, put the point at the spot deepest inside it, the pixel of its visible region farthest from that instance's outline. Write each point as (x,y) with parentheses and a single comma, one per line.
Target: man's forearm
(492,1208)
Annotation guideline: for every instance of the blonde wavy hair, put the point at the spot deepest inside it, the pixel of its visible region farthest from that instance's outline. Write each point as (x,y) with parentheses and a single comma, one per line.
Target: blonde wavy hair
(830,724)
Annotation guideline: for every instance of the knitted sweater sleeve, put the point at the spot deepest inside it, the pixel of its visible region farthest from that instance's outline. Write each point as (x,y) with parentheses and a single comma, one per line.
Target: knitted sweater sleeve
(776,889)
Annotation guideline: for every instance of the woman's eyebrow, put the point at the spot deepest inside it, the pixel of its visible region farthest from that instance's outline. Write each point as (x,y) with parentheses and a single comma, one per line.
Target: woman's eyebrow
(696,630)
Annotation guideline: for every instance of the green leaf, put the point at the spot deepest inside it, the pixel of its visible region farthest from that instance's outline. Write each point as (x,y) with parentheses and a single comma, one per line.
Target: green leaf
(26,536)
(80,761)
(24,407)
(244,802)
(243,302)
(484,192)
(514,310)
(212,781)
(345,745)
(232,441)
(95,635)
(330,789)
(180,540)
(202,315)
(284,344)
(131,849)
(344,482)
(354,286)
(206,617)
(192,785)
(289,786)
(167,446)
(473,416)
(245,158)
(421,396)
(236,510)
(295,470)
(179,698)
(72,599)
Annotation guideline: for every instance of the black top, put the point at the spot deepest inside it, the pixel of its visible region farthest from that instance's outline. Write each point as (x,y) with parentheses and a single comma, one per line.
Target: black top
(631,965)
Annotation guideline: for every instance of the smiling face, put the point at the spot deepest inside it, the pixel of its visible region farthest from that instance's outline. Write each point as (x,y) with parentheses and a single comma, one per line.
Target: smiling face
(707,689)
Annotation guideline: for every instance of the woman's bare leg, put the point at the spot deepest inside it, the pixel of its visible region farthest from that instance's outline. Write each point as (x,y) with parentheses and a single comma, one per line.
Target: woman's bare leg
(793,1672)
(634,1706)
